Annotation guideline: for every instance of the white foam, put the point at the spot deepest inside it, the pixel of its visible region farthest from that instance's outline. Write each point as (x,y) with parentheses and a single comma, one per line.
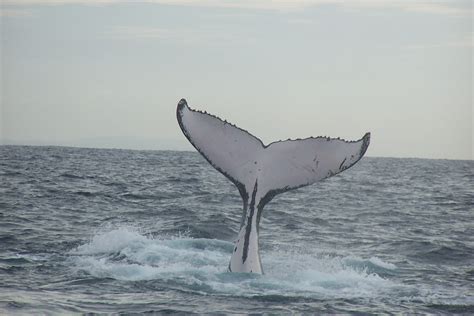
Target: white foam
(101,267)
(112,241)
(201,265)
(328,276)
(379,262)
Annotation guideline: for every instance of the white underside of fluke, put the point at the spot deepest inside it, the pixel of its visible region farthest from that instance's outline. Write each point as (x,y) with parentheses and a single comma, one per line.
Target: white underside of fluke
(261,171)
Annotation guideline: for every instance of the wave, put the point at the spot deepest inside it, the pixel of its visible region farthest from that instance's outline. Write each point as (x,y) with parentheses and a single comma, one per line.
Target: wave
(200,265)
(71,176)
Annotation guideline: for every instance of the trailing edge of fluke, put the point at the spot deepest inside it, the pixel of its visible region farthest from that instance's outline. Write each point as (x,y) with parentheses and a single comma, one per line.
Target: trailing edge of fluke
(262,171)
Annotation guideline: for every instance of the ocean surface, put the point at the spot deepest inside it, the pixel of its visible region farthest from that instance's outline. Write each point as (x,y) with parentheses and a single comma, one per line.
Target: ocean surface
(122,231)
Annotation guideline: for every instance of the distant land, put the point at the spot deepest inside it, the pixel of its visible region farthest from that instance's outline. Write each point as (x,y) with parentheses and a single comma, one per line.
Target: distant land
(126,142)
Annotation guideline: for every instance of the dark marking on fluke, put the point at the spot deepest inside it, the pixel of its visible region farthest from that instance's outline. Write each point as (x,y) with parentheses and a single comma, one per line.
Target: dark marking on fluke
(248,228)
(340,166)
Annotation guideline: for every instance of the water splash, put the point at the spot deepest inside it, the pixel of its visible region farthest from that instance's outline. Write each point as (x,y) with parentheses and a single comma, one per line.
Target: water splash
(200,265)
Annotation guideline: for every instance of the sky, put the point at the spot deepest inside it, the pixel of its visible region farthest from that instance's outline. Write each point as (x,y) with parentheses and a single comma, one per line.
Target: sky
(109,73)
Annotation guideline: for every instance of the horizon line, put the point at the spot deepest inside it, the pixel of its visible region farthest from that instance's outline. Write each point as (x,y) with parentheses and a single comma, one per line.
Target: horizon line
(187,150)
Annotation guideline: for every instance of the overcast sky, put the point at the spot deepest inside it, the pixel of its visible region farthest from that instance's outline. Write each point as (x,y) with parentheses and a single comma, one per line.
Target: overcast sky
(109,73)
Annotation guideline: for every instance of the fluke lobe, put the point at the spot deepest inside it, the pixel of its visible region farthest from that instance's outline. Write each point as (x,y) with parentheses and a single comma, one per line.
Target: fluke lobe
(262,171)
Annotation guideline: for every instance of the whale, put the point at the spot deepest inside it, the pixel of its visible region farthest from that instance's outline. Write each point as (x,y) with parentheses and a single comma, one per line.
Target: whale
(260,172)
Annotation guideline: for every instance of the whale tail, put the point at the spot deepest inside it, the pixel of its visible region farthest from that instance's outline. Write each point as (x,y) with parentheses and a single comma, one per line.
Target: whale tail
(260,171)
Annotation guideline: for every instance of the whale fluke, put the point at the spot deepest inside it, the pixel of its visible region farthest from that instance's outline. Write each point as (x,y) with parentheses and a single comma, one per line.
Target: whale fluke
(262,171)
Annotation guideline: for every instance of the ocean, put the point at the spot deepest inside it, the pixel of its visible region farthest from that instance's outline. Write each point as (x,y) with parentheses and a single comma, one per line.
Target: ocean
(126,231)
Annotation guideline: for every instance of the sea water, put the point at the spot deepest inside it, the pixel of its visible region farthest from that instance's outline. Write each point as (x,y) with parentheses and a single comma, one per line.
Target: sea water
(96,230)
